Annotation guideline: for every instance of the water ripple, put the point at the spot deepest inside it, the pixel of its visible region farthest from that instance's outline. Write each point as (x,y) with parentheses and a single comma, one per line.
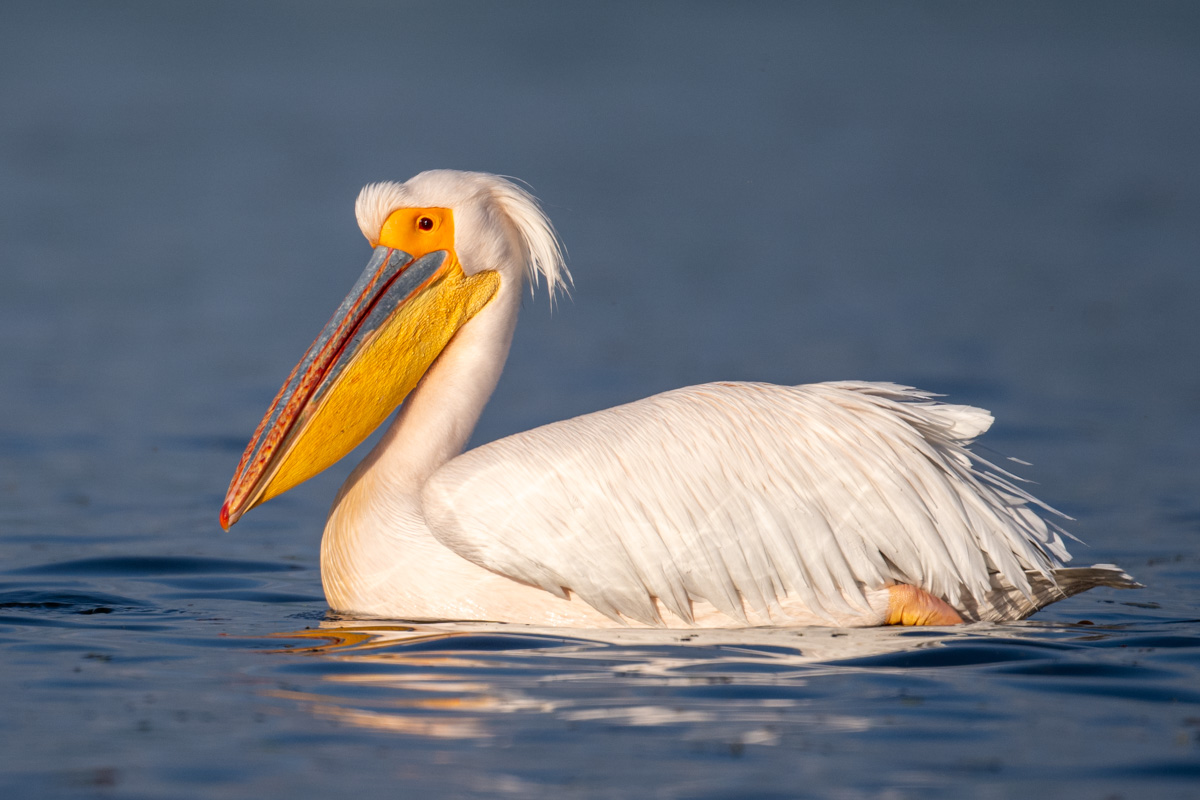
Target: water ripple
(153,566)
(67,602)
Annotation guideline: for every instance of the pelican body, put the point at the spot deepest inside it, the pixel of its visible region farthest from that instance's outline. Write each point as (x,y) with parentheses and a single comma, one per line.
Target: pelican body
(723,505)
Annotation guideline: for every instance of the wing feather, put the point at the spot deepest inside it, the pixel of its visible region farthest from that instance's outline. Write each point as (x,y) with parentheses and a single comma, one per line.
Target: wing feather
(743,494)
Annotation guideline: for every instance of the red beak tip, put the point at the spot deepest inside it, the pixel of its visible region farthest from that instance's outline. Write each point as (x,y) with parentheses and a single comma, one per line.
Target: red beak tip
(225,523)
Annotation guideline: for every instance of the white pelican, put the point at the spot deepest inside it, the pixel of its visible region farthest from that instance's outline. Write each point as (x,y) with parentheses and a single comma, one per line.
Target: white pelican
(729,504)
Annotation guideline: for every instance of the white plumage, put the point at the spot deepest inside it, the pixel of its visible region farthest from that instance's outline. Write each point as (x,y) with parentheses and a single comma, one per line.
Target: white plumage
(744,494)
(718,505)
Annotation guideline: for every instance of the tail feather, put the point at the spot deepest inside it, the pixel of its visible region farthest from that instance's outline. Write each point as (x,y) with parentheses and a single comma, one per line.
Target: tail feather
(1073,580)
(1007,603)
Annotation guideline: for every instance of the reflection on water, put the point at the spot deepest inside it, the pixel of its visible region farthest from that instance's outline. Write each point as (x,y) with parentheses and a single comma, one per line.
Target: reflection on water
(452,680)
(418,685)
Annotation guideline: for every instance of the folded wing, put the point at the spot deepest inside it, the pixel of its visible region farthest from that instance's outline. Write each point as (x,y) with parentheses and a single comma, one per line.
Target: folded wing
(742,494)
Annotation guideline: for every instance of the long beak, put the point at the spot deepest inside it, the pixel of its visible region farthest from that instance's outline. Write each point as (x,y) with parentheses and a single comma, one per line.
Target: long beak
(398,317)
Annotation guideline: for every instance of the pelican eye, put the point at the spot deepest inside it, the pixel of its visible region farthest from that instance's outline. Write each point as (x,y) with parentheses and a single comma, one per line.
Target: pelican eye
(425,224)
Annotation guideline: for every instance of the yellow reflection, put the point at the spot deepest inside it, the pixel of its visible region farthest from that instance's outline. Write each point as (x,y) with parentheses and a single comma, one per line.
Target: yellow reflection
(411,724)
(462,692)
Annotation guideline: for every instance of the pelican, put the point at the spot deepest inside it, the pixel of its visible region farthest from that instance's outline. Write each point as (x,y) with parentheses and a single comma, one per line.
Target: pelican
(722,505)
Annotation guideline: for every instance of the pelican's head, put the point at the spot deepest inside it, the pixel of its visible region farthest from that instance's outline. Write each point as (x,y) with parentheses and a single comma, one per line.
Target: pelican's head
(444,243)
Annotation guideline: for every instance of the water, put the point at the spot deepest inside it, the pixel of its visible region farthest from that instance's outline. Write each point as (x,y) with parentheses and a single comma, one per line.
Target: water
(998,204)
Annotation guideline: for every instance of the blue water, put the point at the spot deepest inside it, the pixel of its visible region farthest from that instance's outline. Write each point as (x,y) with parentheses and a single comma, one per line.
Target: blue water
(999,204)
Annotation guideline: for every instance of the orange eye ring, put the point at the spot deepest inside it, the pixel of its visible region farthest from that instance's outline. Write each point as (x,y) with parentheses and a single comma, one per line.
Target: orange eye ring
(418,231)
